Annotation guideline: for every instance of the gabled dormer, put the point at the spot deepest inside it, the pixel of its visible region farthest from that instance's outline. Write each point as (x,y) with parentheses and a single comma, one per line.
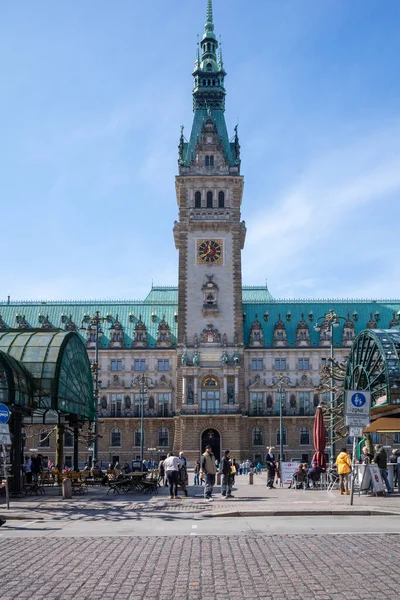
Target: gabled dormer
(163,334)
(280,335)
(349,333)
(140,336)
(70,325)
(116,334)
(302,333)
(324,335)
(256,334)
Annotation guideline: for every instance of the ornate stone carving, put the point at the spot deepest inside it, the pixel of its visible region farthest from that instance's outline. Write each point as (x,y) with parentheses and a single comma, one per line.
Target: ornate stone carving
(210,335)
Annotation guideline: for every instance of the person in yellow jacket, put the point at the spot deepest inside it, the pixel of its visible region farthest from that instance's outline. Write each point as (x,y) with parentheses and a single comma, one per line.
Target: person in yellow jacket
(343,463)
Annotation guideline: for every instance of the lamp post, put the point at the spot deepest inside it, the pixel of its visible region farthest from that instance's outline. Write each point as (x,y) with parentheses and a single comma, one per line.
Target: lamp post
(329,321)
(95,320)
(280,382)
(142,380)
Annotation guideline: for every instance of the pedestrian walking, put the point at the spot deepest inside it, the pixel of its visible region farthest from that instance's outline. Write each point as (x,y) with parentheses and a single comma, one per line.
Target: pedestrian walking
(343,464)
(172,464)
(196,473)
(227,475)
(270,464)
(209,469)
(28,469)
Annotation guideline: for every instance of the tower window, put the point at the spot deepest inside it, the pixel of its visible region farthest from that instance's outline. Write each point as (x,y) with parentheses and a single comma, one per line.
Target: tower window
(211,161)
(209,67)
(208,47)
(221,200)
(209,199)
(207,161)
(197,200)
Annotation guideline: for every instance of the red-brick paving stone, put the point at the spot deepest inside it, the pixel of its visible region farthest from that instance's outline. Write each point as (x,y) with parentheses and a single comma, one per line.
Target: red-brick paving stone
(281,567)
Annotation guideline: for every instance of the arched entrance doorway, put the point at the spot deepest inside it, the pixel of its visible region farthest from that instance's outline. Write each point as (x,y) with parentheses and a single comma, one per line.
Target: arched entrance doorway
(211,437)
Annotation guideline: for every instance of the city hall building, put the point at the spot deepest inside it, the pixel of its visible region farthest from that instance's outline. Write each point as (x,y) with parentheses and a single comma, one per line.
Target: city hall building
(210,348)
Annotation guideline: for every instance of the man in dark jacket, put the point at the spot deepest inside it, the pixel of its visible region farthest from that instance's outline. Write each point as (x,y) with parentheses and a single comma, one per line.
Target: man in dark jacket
(227,476)
(380,459)
(209,469)
(270,463)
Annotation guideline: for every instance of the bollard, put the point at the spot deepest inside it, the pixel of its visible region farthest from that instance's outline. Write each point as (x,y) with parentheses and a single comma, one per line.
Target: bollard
(251,476)
(66,488)
(218,478)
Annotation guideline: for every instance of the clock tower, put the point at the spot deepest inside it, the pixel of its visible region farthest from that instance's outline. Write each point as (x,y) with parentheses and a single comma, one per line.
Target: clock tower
(209,236)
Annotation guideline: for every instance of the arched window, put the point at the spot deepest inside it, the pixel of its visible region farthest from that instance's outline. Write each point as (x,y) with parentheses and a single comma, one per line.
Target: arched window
(211,161)
(197,200)
(304,436)
(269,401)
(152,403)
(209,199)
(284,436)
(221,200)
(116,437)
(44,439)
(258,435)
(207,161)
(208,47)
(209,67)
(316,400)
(163,436)
(127,402)
(68,439)
(137,437)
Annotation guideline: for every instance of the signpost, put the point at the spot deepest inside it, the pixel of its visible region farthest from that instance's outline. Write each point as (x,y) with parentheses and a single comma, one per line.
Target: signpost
(4,413)
(357,416)
(5,440)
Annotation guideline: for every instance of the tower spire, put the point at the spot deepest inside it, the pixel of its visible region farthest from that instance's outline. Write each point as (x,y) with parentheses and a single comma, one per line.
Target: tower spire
(209,15)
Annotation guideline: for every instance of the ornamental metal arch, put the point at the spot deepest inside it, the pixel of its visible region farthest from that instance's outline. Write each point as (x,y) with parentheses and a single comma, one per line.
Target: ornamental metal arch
(374,364)
(16,386)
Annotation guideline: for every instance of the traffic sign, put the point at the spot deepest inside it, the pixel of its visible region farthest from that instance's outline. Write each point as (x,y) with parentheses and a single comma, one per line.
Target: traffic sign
(356,432)
(358,402)
(357,421)
(4,413)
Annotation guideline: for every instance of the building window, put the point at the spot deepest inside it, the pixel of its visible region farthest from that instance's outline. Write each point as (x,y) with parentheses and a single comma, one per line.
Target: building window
(116,365)
(68,439)
(163,365)
(280,364)
(303,364)
(137,437)
(137,405)
(396,438)
(258,403)
(44,439)
(304,436)
(221,200)
(257,364)
(323,362)
(258,436)
(197,200)
(207,161)
(139,364)
(284,436)
(280,397)
(304,400)
(163,436)
(164,401)
(116,437)
(209,199)
(68,462)
(375,438)
(116,405)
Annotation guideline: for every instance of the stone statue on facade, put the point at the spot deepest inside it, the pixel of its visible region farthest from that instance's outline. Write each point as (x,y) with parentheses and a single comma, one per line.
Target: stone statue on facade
(236,358)
(184,359)
(196,359)
(225,358)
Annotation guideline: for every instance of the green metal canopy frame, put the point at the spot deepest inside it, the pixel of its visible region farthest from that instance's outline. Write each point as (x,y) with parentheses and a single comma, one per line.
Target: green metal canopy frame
(374,365)
(58,366)
(16,385)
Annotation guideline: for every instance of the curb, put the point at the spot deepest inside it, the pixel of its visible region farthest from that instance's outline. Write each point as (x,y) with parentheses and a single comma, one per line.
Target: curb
(302,513)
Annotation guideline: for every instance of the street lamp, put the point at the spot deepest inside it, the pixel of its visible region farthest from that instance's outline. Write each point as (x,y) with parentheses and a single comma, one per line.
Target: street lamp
(329,321)
(95,320)
(280,382)
(142,381)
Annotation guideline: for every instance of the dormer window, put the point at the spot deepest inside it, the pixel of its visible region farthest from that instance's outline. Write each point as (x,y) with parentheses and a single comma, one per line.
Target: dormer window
(221,200)
(197,200)
(209,161)
(209,67)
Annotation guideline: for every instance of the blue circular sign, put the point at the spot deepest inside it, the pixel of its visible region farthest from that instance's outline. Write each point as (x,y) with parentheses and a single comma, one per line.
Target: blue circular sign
(4,413)
(358,400)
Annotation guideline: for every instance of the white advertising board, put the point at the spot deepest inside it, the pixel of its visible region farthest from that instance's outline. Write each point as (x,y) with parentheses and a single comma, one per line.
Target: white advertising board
(376,477)
(288,469)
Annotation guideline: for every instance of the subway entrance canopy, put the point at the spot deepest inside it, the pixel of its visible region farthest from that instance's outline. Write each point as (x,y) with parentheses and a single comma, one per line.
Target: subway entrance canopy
(46,370)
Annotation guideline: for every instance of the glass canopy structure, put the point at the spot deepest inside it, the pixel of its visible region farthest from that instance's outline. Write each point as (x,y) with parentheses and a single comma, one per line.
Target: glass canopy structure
(46,370)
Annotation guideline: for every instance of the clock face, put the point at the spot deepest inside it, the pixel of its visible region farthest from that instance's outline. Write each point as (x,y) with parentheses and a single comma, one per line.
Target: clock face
(209,252)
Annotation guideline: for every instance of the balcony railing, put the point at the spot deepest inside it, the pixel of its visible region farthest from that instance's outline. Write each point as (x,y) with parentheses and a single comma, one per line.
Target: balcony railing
(135,413)
(226,410)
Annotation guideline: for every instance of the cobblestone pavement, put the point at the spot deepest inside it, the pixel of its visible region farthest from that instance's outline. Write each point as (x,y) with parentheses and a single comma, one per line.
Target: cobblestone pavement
(280,567)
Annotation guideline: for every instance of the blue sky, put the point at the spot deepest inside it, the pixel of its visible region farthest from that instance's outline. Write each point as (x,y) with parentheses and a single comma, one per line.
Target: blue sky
(94,93)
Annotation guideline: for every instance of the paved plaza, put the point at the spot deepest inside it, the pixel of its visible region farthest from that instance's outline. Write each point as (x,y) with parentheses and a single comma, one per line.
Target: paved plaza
(134,547)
